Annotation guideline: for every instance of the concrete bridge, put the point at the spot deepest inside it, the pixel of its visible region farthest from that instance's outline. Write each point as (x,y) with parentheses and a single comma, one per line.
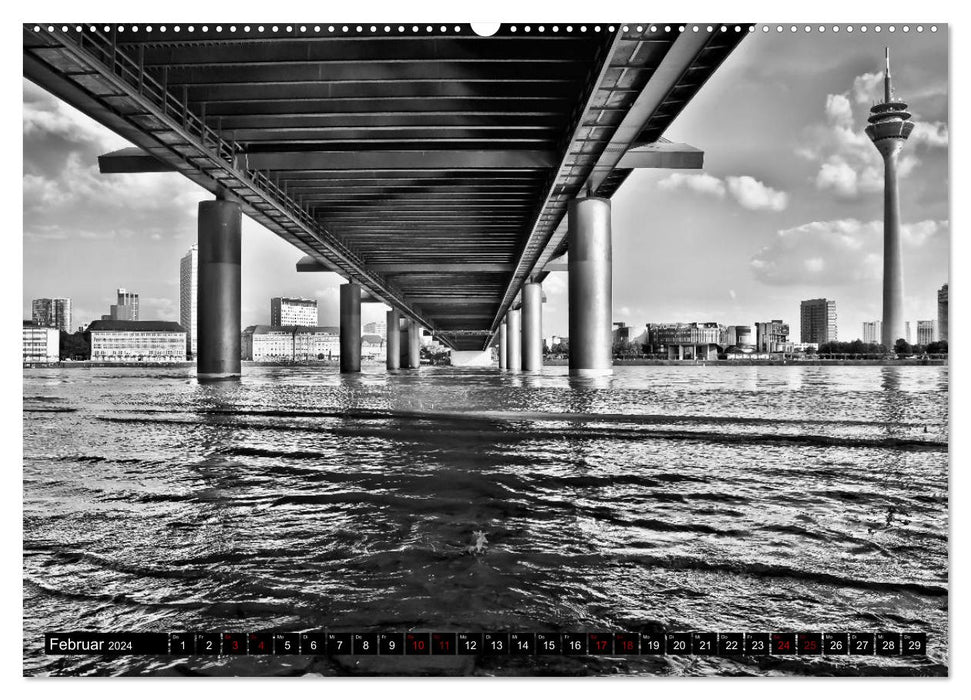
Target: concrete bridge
(438,171)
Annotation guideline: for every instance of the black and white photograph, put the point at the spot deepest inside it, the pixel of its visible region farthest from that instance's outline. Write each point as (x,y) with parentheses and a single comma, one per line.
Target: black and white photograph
(516,349)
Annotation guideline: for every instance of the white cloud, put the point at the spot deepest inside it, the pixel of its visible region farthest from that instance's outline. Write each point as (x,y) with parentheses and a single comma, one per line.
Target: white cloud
(82,203)
(839,111)
(45,116)
(45,232)
(849,165)
(702,183)
(931,134)
(868,88)
(832,253)
(752,194)
(837,175)
(744,189)
(921,232)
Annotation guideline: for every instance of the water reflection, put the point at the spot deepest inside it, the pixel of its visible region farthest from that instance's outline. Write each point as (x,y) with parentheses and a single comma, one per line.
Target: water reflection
(668,496)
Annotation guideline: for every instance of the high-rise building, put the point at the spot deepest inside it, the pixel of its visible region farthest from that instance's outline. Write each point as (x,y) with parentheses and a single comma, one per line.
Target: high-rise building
(293,311)
(817,321)
(942,313)
(906,335)
(925,332)
(771,336)
(127,307)
(873,332)
(52,313)
(889,126)
(189,296)
(376,328)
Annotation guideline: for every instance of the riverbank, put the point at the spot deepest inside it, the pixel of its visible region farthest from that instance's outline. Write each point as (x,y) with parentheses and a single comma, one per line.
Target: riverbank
(88,364)
(550,361)
(904,362)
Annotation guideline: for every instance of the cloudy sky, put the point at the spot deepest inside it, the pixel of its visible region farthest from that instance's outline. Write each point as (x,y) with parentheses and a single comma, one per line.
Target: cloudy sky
(788,207)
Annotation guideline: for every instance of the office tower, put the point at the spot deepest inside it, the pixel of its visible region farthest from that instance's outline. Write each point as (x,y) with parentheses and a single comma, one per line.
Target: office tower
(189,296)
(127,307)
(52,313)
(942,331)
(817,321)
(925,332)
(873,332)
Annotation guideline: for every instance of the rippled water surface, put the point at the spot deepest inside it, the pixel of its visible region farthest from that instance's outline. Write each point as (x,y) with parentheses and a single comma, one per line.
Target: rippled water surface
(678,498)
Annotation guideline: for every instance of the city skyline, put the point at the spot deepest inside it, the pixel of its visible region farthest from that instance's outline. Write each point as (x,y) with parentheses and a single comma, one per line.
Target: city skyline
(788,209)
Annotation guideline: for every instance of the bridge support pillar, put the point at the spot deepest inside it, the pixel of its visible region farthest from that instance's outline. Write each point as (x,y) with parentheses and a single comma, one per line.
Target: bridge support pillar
(532,321)
(590,292)
(414,345)
(503,361)
(350,327)
(218,345)
(394,339)
(513,341)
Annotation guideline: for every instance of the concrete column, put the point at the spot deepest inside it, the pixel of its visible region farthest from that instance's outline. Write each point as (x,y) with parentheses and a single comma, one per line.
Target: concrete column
(893,269)
(394,339)
(503,362)
(218,320)
(403,342)
(532,321)
(414,345)
(513,341)
(350,327)
(590,287)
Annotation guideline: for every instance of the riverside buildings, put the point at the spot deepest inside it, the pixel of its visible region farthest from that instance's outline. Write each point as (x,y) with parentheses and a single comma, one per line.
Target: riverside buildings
(137,341)
(290,343)
(926,332)
(41,343)
(873,332)
(772,336)
(685,341)
(736,335)
(52,313)
(376,328)
(189,296)
(293,311)
(817,321)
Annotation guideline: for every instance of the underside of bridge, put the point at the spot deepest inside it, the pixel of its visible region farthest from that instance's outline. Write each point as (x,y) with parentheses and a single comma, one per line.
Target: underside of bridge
(430,165)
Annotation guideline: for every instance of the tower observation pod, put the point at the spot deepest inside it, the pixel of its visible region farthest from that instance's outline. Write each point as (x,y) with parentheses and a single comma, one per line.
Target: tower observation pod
(889,128)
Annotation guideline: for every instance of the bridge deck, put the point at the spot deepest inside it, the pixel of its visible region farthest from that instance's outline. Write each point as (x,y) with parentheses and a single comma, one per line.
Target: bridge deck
(433,168)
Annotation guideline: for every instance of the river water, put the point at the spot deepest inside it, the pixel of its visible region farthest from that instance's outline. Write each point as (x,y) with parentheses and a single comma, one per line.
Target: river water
(663,498)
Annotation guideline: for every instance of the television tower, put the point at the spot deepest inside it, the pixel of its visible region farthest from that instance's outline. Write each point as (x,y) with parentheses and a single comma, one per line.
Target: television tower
(889,127)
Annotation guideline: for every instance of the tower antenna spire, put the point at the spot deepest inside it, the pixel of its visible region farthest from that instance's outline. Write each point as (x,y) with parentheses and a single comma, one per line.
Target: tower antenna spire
(888,93)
